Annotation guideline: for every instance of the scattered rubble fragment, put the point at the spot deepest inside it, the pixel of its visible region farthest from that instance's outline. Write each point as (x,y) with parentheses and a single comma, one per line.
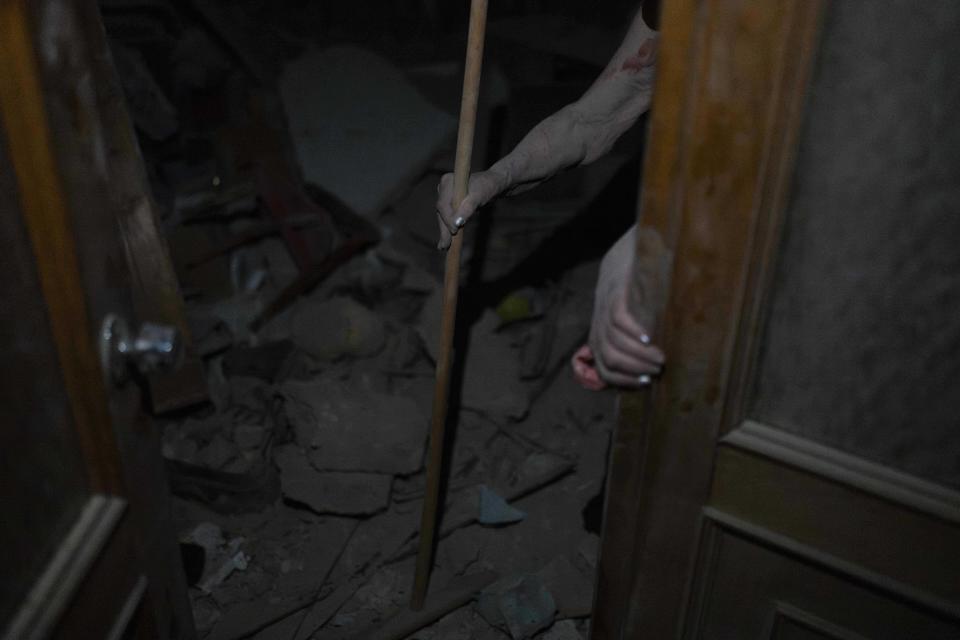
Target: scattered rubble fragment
(341,493)
(494,510)
(343,429)
(305,472)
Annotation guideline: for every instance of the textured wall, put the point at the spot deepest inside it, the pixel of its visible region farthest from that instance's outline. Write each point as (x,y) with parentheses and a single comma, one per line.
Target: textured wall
(863,345)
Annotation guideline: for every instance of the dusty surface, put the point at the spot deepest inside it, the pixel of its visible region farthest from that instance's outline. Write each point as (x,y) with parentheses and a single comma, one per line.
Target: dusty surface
(300,484)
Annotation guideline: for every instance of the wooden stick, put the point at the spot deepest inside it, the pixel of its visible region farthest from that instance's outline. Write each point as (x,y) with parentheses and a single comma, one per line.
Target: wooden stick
(451,282)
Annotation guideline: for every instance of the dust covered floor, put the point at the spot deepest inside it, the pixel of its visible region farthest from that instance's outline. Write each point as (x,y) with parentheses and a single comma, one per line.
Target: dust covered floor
(306,476)
(300,219)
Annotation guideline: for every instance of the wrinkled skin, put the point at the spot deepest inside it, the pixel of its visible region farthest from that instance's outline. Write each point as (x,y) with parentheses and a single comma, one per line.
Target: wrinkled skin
(618,352)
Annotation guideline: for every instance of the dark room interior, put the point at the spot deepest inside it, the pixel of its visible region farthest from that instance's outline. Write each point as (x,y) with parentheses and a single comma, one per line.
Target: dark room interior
(447,321)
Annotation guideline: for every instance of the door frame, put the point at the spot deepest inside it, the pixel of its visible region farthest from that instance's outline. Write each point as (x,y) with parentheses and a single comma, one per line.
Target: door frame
(728,103)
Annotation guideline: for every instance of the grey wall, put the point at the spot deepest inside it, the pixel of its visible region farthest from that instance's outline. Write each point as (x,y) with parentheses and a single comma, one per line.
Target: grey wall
(863,343)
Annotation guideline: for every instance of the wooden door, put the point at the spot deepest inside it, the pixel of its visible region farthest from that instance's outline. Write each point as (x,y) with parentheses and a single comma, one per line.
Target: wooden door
(86,536)
(796,472)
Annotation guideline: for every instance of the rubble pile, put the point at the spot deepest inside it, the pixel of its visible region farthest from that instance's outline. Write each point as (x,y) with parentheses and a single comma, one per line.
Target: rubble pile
(312,292)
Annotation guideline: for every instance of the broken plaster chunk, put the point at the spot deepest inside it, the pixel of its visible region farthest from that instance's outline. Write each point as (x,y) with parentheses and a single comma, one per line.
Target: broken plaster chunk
(349,494)
(330,329)
(343,429)
(494,510)
(520,604)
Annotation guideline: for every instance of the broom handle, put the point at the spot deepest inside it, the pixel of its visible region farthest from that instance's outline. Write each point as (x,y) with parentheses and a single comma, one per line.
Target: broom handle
(451,281)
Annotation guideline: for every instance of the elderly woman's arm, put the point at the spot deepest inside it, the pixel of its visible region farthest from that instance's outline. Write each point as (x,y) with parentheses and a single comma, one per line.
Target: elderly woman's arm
(577,134)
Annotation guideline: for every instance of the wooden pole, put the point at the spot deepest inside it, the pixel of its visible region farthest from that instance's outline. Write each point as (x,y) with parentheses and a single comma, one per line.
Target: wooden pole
(451,282)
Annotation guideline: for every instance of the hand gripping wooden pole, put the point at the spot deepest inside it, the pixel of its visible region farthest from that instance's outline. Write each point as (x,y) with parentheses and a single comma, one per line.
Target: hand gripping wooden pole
(451,282)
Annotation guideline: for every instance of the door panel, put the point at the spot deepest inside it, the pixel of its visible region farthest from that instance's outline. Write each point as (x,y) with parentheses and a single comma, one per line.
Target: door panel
(862,518)
(756,591)
(103,561)
(877,173)
(45,498)
(125,267)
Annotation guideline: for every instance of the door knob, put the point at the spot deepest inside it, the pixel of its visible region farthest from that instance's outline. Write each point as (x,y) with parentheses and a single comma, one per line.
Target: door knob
(155,347)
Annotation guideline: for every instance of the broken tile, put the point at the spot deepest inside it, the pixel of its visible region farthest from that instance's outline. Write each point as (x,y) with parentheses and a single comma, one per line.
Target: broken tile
(330,329)
(494,510)
(343,429)
(351,494)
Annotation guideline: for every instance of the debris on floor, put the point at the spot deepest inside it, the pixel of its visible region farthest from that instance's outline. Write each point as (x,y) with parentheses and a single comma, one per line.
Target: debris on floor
(296,177)
(344,429)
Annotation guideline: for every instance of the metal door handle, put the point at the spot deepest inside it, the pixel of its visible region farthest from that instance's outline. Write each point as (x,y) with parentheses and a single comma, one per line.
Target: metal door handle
(155,347)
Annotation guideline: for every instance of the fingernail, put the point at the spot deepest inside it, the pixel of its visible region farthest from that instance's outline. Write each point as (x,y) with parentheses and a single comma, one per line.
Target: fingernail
(644,379)
(644,338)
(460,222)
